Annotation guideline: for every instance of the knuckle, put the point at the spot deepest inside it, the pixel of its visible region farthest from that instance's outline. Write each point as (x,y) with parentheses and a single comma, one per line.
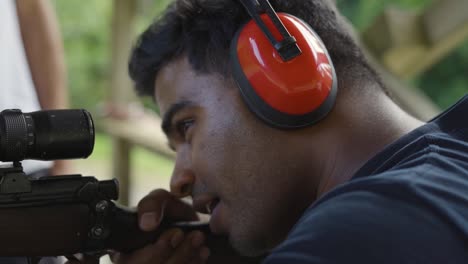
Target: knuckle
(153,200)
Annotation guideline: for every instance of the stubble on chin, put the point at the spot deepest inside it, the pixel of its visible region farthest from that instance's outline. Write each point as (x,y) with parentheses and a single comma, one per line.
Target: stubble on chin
(246,239)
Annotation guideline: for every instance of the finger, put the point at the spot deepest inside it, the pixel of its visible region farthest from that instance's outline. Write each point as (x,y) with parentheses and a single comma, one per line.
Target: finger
(189,250)
(161,204)
(155,253)
(204,254)
(202,257)
(82,259)
(85,261)
(113,255)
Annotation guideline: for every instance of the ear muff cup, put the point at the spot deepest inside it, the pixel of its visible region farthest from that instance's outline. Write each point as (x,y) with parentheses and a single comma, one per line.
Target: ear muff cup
(284,94)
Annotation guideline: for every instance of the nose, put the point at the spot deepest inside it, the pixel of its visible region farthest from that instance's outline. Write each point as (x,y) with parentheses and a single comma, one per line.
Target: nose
(181,184)
(183,178)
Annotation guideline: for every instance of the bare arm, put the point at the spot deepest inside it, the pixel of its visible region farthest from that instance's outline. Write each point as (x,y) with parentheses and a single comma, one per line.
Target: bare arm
(44,51)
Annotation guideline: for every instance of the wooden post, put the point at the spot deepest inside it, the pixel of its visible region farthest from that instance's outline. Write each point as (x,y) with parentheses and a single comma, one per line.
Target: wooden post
(120,93)
(121,167)
(123,24)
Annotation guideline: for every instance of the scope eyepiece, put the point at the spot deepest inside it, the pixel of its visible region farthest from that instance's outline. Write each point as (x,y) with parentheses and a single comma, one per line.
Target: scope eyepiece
(46,135)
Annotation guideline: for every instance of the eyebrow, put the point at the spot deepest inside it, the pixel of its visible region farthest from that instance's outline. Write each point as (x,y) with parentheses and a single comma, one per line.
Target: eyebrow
(173,109)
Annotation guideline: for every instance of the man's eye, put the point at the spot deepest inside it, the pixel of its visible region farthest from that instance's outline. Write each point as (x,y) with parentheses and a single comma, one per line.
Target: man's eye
(183,126)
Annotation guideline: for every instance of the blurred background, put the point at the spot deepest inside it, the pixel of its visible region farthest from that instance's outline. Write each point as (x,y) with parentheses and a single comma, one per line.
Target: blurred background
(420,47)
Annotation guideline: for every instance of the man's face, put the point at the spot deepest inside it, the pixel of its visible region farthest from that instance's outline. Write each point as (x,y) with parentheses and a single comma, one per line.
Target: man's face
(246,173)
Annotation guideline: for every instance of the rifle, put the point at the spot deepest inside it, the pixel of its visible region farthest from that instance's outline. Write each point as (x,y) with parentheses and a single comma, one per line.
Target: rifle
(67,214)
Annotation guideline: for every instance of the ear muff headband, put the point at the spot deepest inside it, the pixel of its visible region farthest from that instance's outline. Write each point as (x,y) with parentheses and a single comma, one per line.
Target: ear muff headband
(285,93)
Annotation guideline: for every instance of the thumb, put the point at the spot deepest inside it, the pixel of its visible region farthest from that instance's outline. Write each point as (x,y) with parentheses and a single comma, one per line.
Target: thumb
(159,205)
(83,260)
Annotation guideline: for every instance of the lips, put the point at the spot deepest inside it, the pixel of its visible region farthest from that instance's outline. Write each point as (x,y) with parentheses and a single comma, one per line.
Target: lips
(205,204)
(212,205)
(208,204)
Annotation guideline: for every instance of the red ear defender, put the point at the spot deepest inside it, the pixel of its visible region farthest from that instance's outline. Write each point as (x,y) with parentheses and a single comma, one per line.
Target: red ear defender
(287,81)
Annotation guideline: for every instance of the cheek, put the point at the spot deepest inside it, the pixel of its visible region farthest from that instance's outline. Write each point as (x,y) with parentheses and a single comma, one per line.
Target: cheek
(211,153)
(232,150)
(223,156)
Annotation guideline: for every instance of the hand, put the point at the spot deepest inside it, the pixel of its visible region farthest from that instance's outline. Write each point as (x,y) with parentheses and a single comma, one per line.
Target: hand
(83,259)
(61,167)
(173,246)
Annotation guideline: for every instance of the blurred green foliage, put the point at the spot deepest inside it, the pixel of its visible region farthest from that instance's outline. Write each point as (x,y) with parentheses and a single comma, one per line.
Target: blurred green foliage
(362,12)
(86,31)
(86,28)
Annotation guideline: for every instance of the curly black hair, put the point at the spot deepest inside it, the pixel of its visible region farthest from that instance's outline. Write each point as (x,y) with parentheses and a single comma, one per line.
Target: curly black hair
(202,30)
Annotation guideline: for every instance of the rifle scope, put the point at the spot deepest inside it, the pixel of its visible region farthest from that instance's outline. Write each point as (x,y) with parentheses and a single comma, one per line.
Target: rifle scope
(45,135)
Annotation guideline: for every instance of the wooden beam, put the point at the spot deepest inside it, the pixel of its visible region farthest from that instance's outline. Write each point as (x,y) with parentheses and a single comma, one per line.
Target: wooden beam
(408,43)
(444,18)
(143,130)
(394,29)
(446,27)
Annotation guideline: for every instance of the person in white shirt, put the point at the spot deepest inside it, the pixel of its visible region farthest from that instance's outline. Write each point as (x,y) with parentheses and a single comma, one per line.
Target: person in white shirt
(32,65)
(32,73)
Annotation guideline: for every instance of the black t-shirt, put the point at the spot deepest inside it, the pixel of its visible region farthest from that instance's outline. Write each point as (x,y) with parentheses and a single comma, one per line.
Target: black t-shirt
(408,204)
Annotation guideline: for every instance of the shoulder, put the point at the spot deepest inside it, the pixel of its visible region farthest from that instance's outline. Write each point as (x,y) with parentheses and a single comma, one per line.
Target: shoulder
(368,227)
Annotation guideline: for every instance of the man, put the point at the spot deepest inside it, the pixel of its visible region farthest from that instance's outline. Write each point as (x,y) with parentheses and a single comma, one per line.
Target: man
(32,72)
(367,183)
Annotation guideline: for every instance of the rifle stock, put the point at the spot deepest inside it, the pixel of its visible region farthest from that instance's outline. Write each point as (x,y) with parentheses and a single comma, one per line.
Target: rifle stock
(64,215)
